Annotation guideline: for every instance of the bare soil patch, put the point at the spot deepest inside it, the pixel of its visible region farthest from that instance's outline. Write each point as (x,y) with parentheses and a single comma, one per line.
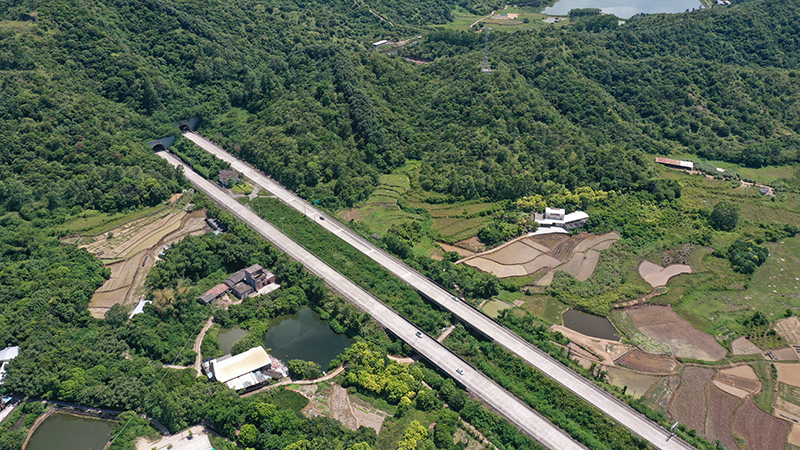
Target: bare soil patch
(498,269)
(760,430)
(539,263)
(752,386)
(789,329)
(718,422)
(576,255)
(637,384)
(656,275)
(788,373)
(515,253)
(591,241)
(452,248)
(662,324)
(644,362)
(340,408)
(794,435)
(646,268)
(688,405)
(549,240)
(604,349)
(784,354)
(472,244)
(741,346)
(742,371)
(736,392)
(350,214)
(367,415)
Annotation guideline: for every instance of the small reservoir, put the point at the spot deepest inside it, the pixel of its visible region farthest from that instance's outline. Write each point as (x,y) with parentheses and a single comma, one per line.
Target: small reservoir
(305,336)
(64,431)
(228,337)
(590,325)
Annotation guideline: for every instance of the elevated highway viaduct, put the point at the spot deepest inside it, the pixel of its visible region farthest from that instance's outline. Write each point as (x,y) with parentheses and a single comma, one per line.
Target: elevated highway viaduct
(476,382)
(628,417)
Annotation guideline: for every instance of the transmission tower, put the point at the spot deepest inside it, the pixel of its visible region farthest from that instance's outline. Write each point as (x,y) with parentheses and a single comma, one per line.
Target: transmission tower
(485,68)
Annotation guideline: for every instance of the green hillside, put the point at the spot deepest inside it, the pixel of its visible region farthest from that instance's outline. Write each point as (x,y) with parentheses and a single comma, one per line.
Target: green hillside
(568,115)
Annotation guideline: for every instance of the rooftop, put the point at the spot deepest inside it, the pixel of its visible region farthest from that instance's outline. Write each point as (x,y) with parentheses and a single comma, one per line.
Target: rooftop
(676,162)
(240,364)
(9,353)
(254,268)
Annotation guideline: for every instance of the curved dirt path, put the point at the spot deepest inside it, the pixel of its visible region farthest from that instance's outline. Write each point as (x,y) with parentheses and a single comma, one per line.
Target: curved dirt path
(198,343)
(283,383)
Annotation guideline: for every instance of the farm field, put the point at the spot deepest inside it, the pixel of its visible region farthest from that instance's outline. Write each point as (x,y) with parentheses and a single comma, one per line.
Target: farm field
(759,430)
(576,255)
(644,362)
(656,275)
(662,324)
(637,384)
(131,248)
(689,403)
(718,421)
(452,222)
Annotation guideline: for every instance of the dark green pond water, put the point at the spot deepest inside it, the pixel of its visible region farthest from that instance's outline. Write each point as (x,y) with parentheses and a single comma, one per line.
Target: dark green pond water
(228,337)
(63,431)
(305,336)
(594,326)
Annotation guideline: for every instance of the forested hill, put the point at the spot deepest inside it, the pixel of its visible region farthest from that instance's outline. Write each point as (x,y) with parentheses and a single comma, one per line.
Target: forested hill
(296,87)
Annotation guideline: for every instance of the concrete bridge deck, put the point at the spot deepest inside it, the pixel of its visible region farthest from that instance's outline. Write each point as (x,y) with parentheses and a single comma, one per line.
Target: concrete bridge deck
(602,400)
(476,382)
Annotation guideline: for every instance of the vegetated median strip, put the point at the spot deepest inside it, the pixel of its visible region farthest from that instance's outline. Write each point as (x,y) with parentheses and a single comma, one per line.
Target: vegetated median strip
(490,392)
(594,395)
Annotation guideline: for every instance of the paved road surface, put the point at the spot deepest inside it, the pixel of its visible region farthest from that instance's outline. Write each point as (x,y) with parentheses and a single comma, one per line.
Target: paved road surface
(621,412)
(476,382)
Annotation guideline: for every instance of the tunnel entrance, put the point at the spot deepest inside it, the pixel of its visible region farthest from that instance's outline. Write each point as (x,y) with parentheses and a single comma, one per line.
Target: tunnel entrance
(187,125)
(159,145)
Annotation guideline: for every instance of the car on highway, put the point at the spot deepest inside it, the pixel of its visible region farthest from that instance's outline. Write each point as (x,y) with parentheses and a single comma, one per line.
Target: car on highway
(321,218)
(419,334)
(460,371)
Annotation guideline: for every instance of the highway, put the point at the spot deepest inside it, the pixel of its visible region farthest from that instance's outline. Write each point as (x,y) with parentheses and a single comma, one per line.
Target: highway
(476,382)
(602,400)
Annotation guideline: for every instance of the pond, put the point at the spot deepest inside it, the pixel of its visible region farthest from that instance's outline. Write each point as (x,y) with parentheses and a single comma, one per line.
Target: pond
(67,432)
(493,308)
(594,326)
(623,8)
(228,337)
(305,336)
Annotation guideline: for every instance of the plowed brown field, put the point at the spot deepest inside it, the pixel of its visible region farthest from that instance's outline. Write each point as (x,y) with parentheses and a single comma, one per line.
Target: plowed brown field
(718,422)
(643,362)
(662,324)
(688,405)
(760,430)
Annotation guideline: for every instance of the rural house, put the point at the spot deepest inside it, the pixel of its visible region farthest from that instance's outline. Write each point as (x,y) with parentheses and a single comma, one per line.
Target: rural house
(228,178)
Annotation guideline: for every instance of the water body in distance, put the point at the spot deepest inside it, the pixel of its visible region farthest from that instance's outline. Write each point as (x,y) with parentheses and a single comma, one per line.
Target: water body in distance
(305,336)
(594,326)
(228,337)
(67,432)
(624,8)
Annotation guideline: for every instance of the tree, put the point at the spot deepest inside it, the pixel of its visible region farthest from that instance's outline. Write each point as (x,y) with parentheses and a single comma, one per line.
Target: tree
(725,216)
(248,435)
